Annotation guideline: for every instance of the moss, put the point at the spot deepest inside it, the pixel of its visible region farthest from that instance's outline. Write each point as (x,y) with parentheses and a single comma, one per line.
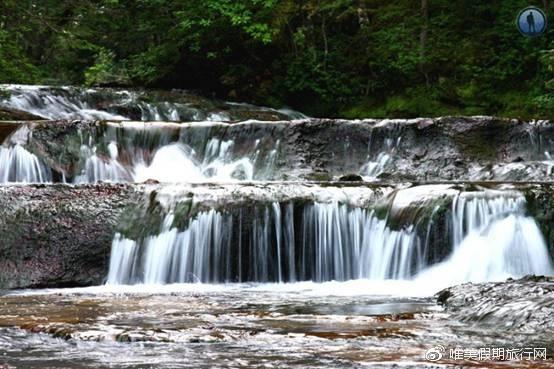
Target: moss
(184,211)
(411,104)
(540,205)
(318,176)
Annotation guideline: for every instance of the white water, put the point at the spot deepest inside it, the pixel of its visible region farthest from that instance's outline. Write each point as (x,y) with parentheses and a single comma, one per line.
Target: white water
(173,163)
(377,165)
(18,165)
(509,247)
(492,240)
(473,211)
(335,243)
(104,104)
(97,169)
(62,103)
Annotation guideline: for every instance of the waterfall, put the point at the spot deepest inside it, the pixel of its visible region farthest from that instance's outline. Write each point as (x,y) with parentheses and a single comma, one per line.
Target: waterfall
(376,165)
(332,242)
(55,103)
(171,163)
(116,104)
(175,162)
(97,169)
(472,211)
(282,242)
(493,240)
(18,165)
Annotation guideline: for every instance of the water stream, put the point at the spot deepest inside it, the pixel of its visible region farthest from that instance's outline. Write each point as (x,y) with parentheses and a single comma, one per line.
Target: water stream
(226,275)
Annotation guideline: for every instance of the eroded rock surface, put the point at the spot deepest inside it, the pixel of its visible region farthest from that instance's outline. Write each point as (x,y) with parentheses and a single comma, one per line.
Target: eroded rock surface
(58,235)
(452,148)
(526,304)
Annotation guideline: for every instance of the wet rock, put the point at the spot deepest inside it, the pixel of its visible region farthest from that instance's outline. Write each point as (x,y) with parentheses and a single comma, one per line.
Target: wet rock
(452,148)
(58,235)
(319,176)
(61,235)
(351,178)
(540,205)
(6,129)
(526,304)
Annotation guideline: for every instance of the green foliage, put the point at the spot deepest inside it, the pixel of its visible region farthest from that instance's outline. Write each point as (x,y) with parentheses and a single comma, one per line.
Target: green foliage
(14,64)
(105,70)
(354,58)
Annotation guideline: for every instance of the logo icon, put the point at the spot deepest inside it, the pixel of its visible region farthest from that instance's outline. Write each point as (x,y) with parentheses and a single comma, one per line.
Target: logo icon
(435,354)
(531,21)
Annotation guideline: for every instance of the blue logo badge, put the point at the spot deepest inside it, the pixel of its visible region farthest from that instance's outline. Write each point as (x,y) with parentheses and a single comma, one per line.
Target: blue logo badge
(531,21)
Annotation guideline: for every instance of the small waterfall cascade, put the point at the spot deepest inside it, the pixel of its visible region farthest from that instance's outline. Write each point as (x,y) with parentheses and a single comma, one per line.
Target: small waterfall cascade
(17,165)
(493,240)
(379,162)
(98,169)
(321,242)
(55,103)
(283,242)
(116,104)
(472,211)
(175,163)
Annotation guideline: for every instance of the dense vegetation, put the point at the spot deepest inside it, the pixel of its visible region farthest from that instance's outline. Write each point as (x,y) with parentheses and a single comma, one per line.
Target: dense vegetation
(352,58)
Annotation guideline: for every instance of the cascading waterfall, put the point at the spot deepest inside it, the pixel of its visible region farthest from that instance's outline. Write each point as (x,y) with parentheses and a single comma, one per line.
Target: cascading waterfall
(59,103)
(97,169)
(378,164)
(493,240)
(471,211)
(175,162)
(333,242)
(328,241)
(18,165)
(115,104)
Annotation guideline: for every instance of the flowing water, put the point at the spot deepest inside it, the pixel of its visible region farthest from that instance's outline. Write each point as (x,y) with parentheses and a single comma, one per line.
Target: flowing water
(332,277)
(116,104)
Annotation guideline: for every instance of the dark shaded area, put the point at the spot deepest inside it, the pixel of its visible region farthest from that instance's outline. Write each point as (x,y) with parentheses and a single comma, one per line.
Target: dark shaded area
(353,58)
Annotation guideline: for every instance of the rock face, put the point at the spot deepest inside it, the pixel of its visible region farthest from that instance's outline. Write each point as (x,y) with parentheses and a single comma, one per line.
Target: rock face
(58,235)
(454,148)
(526,304)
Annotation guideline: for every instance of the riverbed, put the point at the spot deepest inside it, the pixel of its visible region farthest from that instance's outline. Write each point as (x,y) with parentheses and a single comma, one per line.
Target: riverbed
(300,325)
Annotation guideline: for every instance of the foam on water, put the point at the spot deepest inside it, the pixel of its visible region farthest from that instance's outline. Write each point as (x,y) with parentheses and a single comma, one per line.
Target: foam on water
(172,163)
(358,287)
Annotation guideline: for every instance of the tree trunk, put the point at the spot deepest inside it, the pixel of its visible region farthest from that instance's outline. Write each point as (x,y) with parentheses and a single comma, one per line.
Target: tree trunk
(423,37)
